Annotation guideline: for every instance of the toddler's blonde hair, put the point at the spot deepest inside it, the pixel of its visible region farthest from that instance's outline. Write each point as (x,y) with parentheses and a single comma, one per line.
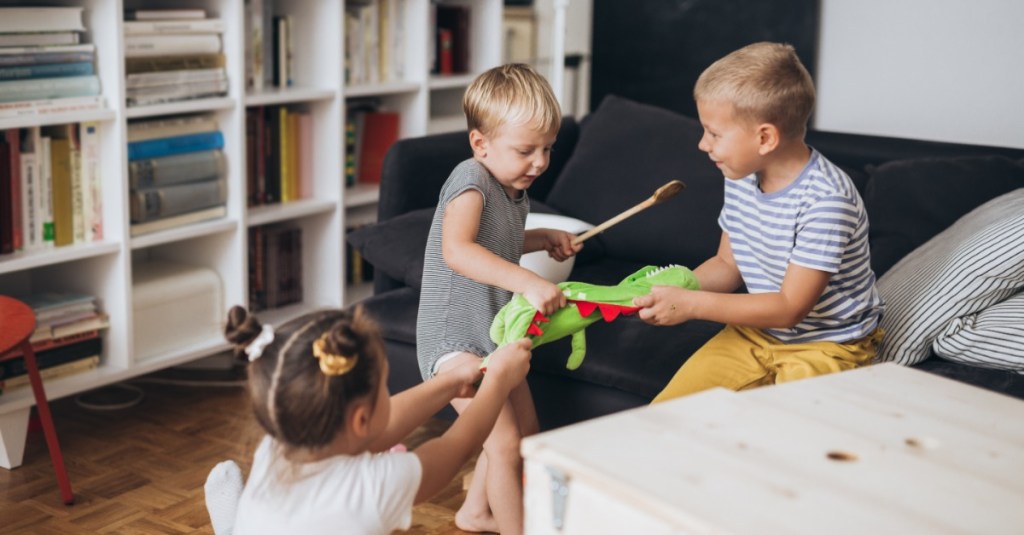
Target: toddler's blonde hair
(765,83)
(511,94)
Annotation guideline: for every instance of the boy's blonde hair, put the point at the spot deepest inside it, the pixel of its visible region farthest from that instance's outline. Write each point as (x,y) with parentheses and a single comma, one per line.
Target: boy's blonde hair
(511,94)
(765,83)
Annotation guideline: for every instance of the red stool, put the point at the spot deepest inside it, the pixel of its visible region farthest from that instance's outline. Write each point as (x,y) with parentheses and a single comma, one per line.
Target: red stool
(17,322)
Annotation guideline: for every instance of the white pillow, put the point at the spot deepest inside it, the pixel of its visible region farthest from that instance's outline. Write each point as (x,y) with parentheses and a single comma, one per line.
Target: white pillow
(972,265)
(539,262)
(992,338)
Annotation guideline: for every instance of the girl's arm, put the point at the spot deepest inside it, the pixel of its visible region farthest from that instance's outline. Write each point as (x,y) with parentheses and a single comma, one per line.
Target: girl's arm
(442,457)
(558,243)
(472,260)
(413,406)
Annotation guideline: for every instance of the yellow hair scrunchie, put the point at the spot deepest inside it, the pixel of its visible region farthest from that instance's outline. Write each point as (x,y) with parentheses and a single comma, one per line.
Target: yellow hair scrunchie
(331,364)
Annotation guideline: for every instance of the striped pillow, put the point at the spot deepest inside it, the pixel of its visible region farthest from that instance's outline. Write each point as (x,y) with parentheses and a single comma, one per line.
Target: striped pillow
(992,338)
(967,268)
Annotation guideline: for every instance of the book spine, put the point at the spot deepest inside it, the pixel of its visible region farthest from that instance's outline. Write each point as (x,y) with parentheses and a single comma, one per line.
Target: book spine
(137,27)
(49,88)
(44,58)
(154,203)
(45,176)
(254,44)
(177,169)
(77,194)
(155,148)
(39,39)
(173,63)
(187,76)
(41,19)
(50,106)
(147,96)
(13,140)
(60,165)
(91,181)
(284,148)
(136,46)
(52,343)
(53,357)
(54,372)
(6,224)
(28,200)
(305,155)
(52,70)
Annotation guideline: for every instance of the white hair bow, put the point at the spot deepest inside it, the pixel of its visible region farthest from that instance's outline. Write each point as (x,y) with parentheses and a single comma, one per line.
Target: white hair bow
(256,347)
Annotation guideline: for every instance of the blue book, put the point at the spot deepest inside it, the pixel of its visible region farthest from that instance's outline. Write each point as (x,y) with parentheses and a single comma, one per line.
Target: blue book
(47,88)
(52,70)
(154,148)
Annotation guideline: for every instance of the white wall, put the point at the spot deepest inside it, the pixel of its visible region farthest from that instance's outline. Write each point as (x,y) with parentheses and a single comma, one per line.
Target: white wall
(945,70)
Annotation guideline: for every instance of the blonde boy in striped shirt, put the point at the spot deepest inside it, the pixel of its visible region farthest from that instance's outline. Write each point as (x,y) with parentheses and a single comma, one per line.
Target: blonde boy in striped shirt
(794,232)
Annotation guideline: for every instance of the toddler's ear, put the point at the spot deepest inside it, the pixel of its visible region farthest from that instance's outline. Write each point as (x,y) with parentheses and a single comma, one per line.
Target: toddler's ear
(359,420)
(478,142)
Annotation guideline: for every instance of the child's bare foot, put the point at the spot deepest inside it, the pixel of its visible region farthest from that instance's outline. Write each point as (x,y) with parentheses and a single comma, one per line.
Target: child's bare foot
(476,522)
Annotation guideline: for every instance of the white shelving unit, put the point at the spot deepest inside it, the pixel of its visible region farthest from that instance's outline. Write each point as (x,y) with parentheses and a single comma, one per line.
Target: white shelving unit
(104,268)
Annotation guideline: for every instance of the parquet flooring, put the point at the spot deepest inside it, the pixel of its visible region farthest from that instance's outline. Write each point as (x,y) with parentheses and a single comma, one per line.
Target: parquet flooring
(141,469)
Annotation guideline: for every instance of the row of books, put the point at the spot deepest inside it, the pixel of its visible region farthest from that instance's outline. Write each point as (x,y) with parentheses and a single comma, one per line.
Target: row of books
(450,51)
(50,187)
(275,266)
(67,338)
(176,172)
(374,41)
(172,55)
(268,46)
(279,154)
(43,58)
(369,133)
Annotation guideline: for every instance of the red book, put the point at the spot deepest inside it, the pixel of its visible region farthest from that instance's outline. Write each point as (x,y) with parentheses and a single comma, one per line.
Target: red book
(445,60)
(14,147)
(6,208)
(380,130)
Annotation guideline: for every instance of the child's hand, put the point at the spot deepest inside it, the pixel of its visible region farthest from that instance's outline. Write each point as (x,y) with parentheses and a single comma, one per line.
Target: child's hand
(665,305)
(467,375)
(558,244)
(545,296)
(510,362)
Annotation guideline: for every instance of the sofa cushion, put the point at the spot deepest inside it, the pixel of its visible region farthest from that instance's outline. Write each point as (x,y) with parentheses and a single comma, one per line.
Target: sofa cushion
(990,338)
(909,201)
(969,267)
(626,150)
(396,246)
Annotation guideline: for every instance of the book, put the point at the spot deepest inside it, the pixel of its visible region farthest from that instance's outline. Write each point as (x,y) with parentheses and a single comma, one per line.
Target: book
(282,51)
(171,127)
(50,70)
(54,372)
(41,19)
(40,39)
(44,181)
(177,169)
(284,148)
(166,223)
(49,106)
(52,357)
(92,197)
(60,165)
(147,45)
(173,63)
(153,203)
(455,19)
(275,268)
(154,148)
(49,88)
(30,186)
(52,305)
(305,155)
(46,55)
(254,44)
(184,76)
(174,26)
(166,14)
(380,131)
(6,224)
(147,96)
(93,322)
(52,343)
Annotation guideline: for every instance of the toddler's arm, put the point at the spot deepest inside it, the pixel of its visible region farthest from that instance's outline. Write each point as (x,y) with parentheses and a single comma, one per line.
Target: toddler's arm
(442,457)
(411,407)
(468,258)
(558,243)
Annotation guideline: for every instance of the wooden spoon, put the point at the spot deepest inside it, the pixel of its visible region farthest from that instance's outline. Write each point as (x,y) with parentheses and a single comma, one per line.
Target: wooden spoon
(663,193)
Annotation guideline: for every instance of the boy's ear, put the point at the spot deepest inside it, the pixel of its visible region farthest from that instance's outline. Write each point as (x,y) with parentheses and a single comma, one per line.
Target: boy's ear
(767,138)
(478,142)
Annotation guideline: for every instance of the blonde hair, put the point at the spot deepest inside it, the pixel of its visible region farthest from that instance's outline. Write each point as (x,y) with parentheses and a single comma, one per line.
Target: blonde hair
(765,82)
(511,94)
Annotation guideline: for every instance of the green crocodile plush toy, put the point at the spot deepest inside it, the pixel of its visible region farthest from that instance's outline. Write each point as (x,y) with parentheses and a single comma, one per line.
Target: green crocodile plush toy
(518,318)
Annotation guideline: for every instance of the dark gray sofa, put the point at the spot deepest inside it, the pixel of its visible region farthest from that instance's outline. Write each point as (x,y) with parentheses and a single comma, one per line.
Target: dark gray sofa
(612,159)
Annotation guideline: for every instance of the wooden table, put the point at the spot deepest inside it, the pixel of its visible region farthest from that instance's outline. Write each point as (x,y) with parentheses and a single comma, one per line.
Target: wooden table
(882,449)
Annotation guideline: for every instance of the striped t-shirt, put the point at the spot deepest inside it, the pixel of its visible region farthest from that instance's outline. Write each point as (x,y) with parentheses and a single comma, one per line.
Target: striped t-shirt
(819,222)
(456,312)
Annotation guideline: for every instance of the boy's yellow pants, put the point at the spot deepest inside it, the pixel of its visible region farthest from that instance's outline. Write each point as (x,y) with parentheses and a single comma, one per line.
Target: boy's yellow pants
(742,357)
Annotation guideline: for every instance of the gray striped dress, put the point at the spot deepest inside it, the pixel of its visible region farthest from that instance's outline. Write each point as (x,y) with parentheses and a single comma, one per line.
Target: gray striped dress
(455,312)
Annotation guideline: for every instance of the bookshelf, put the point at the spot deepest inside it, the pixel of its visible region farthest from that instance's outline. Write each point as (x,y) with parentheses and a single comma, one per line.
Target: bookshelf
(107,268)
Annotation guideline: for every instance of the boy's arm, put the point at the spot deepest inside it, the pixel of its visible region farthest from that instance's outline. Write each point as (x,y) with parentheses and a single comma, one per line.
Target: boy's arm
(472,260)
(411,407)
(719,273)
(558,243)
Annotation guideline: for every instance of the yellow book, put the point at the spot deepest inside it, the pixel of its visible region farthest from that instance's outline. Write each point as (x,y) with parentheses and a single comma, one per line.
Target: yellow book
(284,142)
(53,372)
(63,211)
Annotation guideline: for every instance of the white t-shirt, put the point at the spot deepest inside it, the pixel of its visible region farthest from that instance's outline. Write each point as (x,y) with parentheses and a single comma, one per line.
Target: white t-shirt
(345,494)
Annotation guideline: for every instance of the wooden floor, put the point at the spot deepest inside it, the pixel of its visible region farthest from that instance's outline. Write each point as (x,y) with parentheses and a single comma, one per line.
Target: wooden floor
(141,469)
